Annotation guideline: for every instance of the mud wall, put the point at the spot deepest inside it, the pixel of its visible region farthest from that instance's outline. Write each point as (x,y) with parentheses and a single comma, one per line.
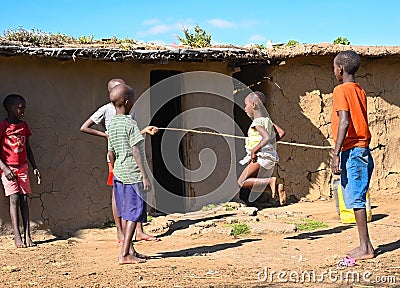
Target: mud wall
(61,95)
(303,109)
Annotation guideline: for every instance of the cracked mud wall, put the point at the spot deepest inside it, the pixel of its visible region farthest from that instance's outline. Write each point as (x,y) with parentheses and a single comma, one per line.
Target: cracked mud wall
(61,96)
(304,106)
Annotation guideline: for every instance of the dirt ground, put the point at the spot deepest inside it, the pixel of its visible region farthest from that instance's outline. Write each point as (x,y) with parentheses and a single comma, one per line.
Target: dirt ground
(196,250)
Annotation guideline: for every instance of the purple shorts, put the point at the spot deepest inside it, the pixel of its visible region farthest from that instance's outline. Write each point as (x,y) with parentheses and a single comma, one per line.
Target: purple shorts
(129,199)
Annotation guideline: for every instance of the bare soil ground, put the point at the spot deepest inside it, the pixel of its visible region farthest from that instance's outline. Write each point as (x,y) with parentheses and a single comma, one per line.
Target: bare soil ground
(197,251)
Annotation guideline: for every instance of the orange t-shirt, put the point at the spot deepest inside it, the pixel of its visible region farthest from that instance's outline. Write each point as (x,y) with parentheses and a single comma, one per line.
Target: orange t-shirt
(351,97)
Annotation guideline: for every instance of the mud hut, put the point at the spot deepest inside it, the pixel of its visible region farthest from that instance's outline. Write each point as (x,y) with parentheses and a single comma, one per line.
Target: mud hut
(64,85)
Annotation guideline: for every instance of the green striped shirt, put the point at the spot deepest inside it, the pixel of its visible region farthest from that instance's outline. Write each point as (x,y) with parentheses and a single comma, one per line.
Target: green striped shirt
(123,134)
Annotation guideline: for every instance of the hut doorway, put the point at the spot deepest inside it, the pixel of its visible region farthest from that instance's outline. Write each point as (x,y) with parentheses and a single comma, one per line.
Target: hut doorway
(165,105)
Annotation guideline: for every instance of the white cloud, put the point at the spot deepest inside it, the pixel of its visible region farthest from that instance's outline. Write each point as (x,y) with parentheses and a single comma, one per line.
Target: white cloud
(220,23)
(150,22)
(257,38)
(158,29)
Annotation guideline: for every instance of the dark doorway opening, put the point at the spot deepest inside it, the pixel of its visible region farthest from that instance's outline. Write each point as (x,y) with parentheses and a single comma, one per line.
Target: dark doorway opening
(165,105)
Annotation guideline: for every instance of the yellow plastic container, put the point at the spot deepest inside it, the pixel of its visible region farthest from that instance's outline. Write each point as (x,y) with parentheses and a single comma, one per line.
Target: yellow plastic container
(347,215)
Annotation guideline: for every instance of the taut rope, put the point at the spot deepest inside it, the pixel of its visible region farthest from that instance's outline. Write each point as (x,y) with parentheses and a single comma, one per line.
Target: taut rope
(243,137)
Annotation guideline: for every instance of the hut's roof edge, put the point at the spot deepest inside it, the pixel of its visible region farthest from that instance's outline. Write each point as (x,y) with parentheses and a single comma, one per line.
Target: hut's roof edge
(187,54)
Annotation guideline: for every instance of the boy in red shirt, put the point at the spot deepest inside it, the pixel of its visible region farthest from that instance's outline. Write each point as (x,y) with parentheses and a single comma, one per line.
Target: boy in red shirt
(351,157)
(15,151)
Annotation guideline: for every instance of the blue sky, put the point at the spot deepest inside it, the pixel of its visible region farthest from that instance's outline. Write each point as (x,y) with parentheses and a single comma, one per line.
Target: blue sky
(229,22)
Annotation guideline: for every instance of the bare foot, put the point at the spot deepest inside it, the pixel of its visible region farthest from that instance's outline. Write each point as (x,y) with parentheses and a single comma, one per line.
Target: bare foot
(359,254)
(134,253)
(272,184)
(19,243)
(352,251)
(282,194)
(357,249)
(129,259)
(146,237)
(30,243)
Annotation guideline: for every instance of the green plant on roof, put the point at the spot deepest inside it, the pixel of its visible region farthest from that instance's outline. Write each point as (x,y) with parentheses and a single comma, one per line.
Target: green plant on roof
(198,39)
(22,35)
(239,229)
(127,43)
(208,207)
(261,46)
(86,39)
(128,40)
(36,37)
(310,224)
(292,43)
(341,40)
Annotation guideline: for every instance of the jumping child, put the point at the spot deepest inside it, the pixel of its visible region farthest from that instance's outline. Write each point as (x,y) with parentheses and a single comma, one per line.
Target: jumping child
(15,150)
(126,153)
(261,154)
(279,134)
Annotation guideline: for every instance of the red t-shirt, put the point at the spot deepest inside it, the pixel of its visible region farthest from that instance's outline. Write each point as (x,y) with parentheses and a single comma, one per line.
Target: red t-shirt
(13,142)
(351,97)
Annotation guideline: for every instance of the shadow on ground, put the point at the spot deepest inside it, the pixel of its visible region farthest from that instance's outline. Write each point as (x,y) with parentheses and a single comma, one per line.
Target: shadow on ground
(185,223)
(319,234)
(377,217)
(389,247)
(204,250)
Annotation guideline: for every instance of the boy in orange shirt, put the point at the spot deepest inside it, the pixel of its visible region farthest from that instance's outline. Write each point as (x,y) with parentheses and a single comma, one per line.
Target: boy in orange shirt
(351,156)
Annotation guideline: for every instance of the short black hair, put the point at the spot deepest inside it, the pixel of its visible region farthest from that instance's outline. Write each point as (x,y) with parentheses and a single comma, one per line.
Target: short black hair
(350,61)
(261,96)
(120,93)
(114,82)
(12,99)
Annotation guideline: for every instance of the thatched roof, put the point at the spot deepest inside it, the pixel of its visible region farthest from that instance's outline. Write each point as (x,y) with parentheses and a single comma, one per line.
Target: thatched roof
(112,54)
(163,54)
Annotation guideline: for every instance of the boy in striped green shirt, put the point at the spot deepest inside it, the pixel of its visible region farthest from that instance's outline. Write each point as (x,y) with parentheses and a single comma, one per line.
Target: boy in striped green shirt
(126,153)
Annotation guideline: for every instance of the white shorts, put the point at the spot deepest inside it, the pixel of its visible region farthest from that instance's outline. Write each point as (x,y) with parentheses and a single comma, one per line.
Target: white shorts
(266,159)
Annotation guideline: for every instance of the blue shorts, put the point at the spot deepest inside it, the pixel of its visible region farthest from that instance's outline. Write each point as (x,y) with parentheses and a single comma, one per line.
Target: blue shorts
(357,166)
(129,199)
